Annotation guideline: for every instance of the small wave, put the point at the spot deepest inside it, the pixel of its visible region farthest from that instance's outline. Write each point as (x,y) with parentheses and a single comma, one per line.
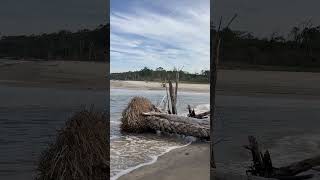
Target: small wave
(154,159)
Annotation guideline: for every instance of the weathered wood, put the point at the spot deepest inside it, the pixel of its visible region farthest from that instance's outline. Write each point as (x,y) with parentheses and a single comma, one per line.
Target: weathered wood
(262,164)
(298,167)
(179,125)
(214,61)
(173,98)
(193,114)
(169,111)
(176,118)
(214,58)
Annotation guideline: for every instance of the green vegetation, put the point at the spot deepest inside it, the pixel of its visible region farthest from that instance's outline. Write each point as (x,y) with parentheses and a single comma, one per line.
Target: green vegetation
(83,45)
(160,74)
(299,50)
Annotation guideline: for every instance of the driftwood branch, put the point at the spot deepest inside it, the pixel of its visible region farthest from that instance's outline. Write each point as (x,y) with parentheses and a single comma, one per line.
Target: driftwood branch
(193,114)
(262,164)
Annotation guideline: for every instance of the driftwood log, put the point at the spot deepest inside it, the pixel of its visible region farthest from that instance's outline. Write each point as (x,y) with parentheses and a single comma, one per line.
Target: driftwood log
(142,116)
(178,124)
(262,164)
(193,114)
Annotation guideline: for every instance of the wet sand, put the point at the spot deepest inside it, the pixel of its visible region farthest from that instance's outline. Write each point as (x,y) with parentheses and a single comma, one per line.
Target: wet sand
(54,74)
(189,163)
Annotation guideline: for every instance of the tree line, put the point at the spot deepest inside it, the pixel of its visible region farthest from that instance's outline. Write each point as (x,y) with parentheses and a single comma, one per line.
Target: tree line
(83,45)
(301,47)
(162,75)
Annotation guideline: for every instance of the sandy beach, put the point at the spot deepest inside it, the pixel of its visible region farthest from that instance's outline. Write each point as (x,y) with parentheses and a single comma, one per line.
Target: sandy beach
(245,82)
(144,85)
(55,74)
(189,163)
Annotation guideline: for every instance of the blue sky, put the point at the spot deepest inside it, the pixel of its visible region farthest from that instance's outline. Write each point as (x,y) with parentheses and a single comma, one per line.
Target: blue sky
(159,33)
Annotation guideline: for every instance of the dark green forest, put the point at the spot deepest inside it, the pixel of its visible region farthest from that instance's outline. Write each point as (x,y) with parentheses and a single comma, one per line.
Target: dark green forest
(300,49)
(83,45)
(161,75)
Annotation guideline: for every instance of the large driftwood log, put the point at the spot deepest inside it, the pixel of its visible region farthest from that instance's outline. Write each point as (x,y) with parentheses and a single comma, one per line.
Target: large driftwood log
(142,116)
(178,124)
(262,164)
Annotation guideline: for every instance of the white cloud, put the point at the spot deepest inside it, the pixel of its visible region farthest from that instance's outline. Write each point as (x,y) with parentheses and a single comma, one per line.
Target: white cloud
(143,37)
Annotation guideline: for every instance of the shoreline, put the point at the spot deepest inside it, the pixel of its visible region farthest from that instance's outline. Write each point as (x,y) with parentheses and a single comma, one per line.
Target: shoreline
(154,160)
(144,85)
(245,82)
(193,158)
(54,74)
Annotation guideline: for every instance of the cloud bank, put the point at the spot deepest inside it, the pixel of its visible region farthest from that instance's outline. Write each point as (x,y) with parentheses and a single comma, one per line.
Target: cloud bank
(163,34)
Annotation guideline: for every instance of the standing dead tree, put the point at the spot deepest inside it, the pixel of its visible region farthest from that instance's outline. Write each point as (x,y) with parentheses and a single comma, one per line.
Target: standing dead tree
(214,58)
(172,93)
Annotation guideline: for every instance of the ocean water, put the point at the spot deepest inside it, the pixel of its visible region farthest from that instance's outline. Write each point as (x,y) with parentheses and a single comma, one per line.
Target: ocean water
(287,126)
(130,151)
(29,119)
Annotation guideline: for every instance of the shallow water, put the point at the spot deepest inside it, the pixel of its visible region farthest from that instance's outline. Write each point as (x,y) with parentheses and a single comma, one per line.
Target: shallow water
(29,118)
(129,151)
(287,126)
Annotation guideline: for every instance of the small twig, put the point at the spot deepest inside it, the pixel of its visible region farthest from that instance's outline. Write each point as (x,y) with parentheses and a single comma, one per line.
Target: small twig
(219,141)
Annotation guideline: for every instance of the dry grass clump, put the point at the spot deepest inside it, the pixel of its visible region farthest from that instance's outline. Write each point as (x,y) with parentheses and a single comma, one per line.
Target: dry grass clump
(81,150)
(132,119)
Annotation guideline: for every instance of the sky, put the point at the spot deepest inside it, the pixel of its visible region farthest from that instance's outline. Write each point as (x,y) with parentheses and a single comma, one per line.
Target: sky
(264,17)
(20,17)
(159,33)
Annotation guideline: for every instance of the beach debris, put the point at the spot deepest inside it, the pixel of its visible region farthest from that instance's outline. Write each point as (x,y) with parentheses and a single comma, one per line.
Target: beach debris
(80,151)
(262,164)
(142,116)
(201,115)
(132,120)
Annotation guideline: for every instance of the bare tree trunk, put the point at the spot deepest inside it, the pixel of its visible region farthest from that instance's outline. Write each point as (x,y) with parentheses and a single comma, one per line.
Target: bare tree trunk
(214,48)
(214,59)
(177,81)
(169,111)
(173,98)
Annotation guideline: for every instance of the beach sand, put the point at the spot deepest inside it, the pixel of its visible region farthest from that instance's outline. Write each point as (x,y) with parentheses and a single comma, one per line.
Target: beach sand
(157,86)
(245,82)
(187,163)
(55,74)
